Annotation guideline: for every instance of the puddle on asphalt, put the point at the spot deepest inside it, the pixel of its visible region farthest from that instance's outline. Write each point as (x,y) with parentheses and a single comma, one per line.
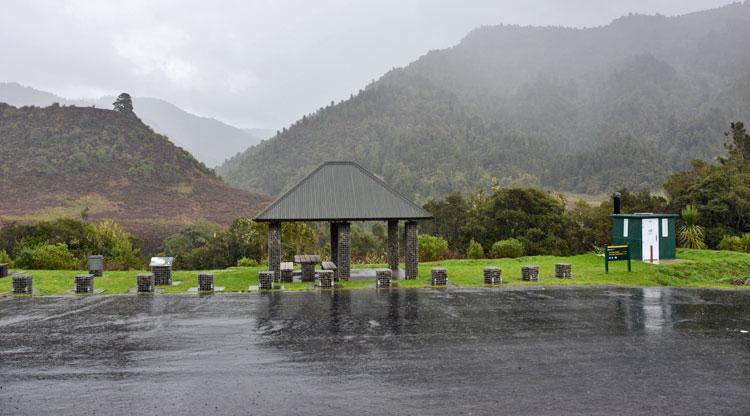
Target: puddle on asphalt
(662,350)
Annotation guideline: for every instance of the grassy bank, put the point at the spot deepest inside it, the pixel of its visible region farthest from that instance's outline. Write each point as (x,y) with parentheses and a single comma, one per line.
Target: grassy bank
(695,268)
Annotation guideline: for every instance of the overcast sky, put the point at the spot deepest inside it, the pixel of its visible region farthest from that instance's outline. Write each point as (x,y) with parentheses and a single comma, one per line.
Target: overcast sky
(259,63)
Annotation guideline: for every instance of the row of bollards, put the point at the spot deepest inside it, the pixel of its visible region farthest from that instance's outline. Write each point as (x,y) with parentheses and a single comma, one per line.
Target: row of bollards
(146,283)
(494,275)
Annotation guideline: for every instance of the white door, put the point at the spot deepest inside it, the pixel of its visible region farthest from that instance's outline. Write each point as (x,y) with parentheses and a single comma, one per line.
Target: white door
(650,238)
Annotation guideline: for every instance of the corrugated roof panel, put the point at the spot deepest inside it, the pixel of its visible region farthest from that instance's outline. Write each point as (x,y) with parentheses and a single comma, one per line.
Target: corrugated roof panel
(341,191)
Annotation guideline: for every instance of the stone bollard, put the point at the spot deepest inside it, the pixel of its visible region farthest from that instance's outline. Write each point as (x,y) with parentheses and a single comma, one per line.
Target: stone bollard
(22,284)
(308,272)
(383,277)
(287,275)
(325,279)
(84,283)
(530,273)
(563,271)
(265,280)
(439,277)
(206,282)
(162,275)
(145,283)
(493,276)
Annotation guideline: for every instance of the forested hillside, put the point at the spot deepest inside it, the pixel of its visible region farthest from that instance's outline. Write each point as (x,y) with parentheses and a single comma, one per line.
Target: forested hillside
(586,110)
(208,139)
(78,161)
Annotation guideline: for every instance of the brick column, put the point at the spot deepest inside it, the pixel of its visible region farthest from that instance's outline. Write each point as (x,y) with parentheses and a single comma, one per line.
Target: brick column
(412,250)
(344,256)
(393,245)
(274,247)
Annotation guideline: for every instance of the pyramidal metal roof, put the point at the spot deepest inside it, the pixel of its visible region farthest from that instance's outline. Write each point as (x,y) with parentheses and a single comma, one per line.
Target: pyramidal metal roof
(341,191)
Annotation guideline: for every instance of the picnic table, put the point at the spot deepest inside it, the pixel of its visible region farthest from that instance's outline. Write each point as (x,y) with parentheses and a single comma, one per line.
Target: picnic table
(308,262)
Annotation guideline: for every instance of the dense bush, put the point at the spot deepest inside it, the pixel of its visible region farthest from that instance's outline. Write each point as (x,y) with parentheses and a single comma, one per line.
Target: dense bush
(246,262)
(432,248)
(511,248)
(4,257)
(121,250)
(735,243)
(46,256)
(475,250)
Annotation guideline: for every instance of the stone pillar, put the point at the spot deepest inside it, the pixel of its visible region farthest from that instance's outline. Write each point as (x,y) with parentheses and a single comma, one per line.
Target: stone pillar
(393,245)
(530,273)
(265,280)
(23,284)
(439,277)
(563,271)
(412,250)
(145,283)
(206,282)
(493,276)
(344,250)
(84,283)
(335,243)
(383,278)
(274,247)
(325,279)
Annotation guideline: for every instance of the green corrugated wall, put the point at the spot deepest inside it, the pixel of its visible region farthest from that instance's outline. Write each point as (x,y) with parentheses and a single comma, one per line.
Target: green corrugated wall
(667,245)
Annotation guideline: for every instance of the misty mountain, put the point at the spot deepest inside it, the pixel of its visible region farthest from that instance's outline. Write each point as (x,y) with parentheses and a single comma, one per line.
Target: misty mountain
(58,161)
(209,140)
(585,110)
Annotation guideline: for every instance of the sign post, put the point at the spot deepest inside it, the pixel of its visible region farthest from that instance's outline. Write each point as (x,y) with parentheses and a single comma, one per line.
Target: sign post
(616,253)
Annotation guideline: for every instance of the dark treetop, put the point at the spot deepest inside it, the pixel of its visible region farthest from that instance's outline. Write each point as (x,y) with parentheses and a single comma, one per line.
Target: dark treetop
(341,191)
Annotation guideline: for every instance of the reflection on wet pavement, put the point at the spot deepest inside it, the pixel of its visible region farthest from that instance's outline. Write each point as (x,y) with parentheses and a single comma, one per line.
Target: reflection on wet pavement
(456,351)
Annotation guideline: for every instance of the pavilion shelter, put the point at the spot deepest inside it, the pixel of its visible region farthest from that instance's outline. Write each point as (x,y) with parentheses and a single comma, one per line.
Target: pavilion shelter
(339,193)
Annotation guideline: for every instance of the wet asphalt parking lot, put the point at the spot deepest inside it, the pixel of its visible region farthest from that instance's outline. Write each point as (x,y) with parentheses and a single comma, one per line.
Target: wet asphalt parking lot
(553,351)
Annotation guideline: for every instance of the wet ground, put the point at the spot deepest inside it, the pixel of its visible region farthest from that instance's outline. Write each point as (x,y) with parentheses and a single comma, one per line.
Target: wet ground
(561,351)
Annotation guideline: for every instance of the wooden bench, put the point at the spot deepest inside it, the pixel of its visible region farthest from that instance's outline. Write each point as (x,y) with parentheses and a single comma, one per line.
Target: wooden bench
(287,271)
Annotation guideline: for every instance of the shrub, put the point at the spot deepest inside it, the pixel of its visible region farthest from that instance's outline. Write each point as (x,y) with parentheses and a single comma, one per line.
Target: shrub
(432,248)
(4,257)
(247,262)
(475,250)
(735,243)
(731,243)
(507,248)
(46,256)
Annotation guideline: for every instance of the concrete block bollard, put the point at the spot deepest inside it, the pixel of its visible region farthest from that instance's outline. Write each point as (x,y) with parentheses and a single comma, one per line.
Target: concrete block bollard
(383,277)
(145,283)
(493,276)
(23,284)
(84,283)
(206,282)
(563,271)
(530,273)
(439,277)
(265,280)
(325,279)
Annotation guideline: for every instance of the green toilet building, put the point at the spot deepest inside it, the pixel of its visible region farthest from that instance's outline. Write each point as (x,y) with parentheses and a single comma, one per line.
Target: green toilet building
(650,236)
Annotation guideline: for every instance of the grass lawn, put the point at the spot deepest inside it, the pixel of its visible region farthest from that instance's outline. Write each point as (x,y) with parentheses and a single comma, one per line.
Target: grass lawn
(697,268)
